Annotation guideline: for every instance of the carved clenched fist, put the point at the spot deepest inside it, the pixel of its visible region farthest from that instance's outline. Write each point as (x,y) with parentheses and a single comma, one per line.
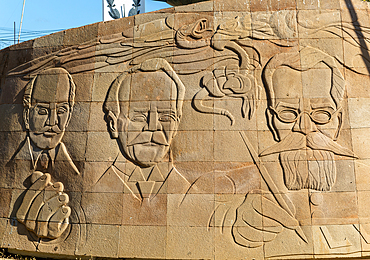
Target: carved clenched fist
(44,209)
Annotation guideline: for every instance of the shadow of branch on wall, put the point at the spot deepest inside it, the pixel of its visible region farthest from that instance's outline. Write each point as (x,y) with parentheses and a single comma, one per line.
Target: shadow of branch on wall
(359,33)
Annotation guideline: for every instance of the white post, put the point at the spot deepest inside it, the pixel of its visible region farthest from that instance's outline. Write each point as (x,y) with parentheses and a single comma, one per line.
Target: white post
(20,26)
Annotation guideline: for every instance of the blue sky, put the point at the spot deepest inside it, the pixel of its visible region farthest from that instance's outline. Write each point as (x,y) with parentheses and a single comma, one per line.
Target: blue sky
(42,17)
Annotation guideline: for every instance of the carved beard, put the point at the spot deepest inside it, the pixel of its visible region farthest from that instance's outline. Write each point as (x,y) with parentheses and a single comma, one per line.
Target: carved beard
(308,160)
(308,169)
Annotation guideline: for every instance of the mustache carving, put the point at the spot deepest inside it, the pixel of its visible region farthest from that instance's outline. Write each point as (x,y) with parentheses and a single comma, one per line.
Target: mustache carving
(52,129)
(149,137)
(315,141)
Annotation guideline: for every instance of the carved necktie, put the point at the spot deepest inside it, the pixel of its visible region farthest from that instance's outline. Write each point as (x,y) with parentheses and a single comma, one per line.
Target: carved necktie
(44,160)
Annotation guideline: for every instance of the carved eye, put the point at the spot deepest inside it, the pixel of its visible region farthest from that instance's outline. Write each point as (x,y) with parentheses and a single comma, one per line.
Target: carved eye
(288,115)
(139,118)
(321,116)
(166,118)
(42,111)
(62,110)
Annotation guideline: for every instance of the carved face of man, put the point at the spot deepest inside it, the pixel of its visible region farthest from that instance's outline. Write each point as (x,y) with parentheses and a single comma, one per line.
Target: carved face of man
(50,111)
(304,108)
(149,121)
(306,120)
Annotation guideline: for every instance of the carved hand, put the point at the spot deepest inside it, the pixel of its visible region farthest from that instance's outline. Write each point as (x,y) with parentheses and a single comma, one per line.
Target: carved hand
(44,209)
(260,219)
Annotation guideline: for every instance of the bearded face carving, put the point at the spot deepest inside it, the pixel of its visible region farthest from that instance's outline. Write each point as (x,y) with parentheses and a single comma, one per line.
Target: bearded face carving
(306,119)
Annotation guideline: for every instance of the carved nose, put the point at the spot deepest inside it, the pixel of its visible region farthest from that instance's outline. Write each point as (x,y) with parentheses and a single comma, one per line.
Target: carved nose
(52,118)
(153,123)
(304,124)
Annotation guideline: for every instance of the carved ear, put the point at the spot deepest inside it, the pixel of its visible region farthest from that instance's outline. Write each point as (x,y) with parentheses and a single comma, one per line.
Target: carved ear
(270,124)
(26,117)
(112,124)
(340,123)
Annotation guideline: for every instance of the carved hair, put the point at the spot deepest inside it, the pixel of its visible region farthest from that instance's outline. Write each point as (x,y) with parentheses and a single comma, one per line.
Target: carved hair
(111,103)
(304,60)
(27,97)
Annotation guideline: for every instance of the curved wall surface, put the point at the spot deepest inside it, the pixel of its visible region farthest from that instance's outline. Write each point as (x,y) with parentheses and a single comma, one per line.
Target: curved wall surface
(218,130)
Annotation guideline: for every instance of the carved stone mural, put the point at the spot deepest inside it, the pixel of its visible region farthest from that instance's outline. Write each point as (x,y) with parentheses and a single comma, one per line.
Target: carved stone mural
(217,130)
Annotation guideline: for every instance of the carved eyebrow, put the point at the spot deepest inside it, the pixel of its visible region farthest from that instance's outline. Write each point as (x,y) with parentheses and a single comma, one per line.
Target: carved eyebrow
(63,104)
(145,110)
(287,105)
(47,105)
(322,105)
(43,104)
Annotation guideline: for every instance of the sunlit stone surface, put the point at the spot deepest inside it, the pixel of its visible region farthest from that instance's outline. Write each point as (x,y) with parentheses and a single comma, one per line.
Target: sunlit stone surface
(217,130)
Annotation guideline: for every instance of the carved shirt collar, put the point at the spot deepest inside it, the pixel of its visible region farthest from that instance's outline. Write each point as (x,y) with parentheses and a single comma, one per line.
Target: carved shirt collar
(36,152)
(142,182)
(59,152)
(158,172)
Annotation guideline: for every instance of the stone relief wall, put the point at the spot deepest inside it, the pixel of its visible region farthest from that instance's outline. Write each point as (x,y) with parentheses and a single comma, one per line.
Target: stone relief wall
(218,130)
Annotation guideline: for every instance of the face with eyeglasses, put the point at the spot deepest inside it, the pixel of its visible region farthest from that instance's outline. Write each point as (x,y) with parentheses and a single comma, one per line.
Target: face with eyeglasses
(303,103)
(306,122)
